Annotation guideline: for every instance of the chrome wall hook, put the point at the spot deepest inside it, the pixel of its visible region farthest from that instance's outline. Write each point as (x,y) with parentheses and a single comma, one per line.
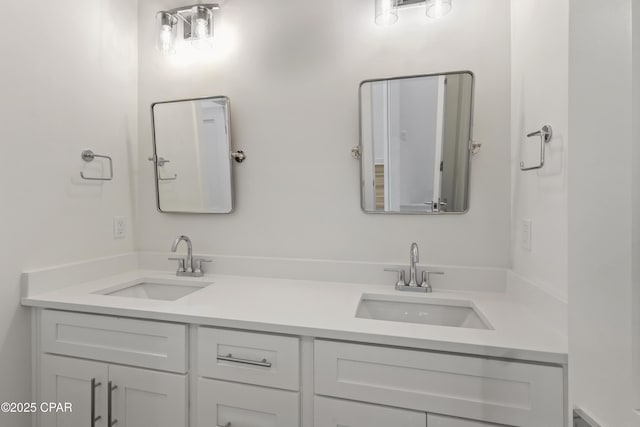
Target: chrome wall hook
(89,156)
(546,133)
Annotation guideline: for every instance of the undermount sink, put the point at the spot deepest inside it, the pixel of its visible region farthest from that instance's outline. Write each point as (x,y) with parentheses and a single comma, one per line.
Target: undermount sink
(155,289)
(455,313)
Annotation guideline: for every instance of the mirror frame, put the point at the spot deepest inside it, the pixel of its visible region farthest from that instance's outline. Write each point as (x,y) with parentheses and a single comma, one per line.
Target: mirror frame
(155,155)
(469,143)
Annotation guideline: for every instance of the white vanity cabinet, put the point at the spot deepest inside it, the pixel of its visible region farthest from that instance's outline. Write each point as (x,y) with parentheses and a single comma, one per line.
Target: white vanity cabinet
(434,420)
(247,379)
(471,391)
(137,395)
(166,374)
(80,382)
(344,413)
(330,412)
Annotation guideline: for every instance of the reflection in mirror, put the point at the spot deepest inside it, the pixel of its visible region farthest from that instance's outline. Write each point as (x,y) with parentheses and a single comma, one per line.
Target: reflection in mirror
(415,143)
(192,156)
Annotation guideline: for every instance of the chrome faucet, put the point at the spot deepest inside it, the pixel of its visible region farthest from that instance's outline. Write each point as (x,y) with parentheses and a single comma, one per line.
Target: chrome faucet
(424,285)
(191,267)
(414,259)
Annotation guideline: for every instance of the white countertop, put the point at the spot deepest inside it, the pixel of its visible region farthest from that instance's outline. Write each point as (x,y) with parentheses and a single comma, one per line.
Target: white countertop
(322,310)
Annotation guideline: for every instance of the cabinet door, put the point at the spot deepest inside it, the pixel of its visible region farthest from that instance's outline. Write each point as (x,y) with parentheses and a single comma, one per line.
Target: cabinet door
(146,398)
(70,380)
(223,403)
(344,413)
(444,421)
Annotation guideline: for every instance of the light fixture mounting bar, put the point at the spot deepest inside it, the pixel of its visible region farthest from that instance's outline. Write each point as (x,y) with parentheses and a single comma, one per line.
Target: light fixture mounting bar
(183,9)
(407,3)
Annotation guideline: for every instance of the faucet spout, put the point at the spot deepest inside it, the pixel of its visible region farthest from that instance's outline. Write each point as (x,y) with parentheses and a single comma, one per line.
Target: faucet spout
(174,248)
(414,256)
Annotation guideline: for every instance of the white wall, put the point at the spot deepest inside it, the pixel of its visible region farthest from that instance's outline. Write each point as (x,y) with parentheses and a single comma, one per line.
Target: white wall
(539,95)
(292,70)
(600,237)
(68,82)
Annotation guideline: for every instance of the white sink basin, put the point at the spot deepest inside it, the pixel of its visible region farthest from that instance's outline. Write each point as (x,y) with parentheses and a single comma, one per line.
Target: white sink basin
(455,313)
(156,289)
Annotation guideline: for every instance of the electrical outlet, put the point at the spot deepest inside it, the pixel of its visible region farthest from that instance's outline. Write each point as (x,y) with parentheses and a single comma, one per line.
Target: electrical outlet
(119,227)
(526,234)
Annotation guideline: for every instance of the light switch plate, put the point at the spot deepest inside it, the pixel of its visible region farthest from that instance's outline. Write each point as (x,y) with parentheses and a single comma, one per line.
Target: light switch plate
(119,227)
(526,230)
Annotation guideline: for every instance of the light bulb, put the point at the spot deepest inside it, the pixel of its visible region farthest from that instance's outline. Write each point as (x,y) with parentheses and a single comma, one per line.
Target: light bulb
(201,30)
(166,37)
(166,42)
(201,23)
(438,8)
(386,12)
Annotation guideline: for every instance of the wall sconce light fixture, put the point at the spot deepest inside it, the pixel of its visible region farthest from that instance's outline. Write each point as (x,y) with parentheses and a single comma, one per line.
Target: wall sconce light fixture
(438,8)
(387,10)
(193,23)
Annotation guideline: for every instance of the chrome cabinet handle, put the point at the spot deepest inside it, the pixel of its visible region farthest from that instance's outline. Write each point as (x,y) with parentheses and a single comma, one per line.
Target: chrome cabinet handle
(94,385)
(110,420)
(229,358)
(226,425)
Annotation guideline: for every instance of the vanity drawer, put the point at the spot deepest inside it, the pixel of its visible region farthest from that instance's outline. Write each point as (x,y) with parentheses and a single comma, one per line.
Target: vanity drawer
(494,391)
(344,413)
(434,420)
(155,345)
(241,405)
(247,357)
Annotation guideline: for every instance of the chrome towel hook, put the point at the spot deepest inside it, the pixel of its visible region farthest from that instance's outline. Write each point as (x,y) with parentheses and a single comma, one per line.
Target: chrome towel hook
(89,156)
(546,133)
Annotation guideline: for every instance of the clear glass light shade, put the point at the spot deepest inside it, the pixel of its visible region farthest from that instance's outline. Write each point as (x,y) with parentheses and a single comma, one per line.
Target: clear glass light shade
(438,8)
(201,24)
(386,12)
(166,33)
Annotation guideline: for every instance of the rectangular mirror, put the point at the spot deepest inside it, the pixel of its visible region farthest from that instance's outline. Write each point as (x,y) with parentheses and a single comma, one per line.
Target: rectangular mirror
(192,155)
(415,143)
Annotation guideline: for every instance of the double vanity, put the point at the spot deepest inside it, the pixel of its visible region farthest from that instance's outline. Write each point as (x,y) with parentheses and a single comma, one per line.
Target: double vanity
(139,347)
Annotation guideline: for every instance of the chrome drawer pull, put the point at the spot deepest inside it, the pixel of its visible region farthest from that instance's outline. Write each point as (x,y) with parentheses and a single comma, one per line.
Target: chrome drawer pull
(229,358)
(110,421)
(226,425)
(94,385)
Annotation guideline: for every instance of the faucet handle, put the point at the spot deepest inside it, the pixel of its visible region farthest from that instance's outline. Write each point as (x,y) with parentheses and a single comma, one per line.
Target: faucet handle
(426,277)
(400,281)
(181,264)
(197,267)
